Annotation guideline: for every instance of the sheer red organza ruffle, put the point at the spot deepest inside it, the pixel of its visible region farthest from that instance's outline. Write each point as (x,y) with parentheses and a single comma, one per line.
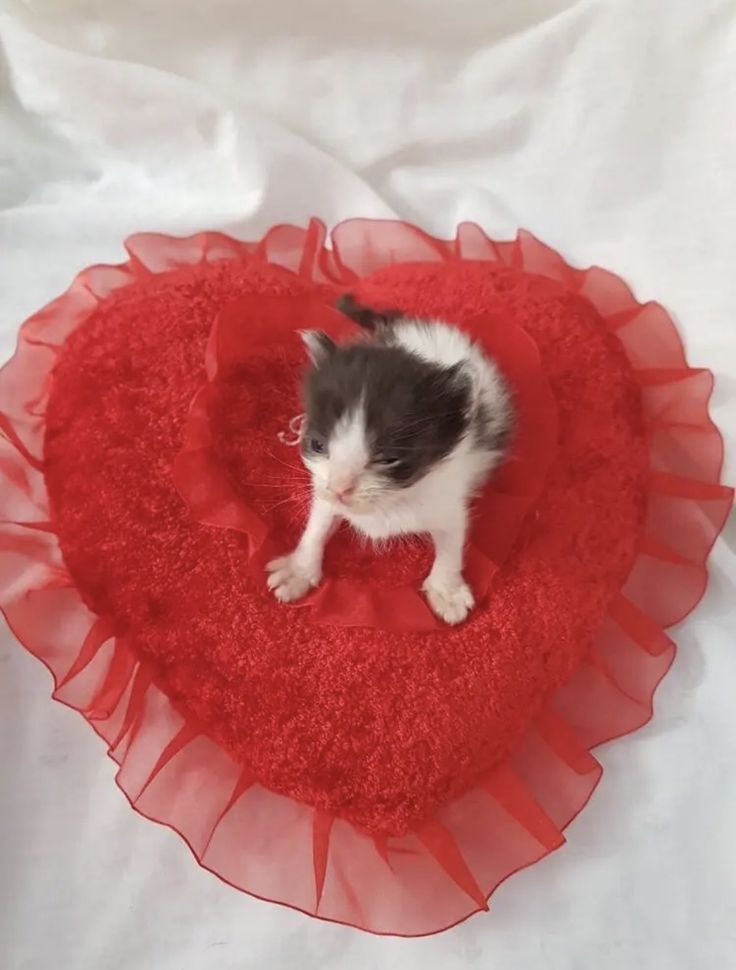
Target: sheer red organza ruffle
(253,331)
(172,771)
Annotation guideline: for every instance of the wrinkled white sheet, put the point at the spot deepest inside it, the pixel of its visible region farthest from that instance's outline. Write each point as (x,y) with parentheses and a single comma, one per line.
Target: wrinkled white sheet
(609,129)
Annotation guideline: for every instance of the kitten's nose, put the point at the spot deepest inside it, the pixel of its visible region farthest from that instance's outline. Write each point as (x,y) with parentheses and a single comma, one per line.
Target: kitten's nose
(343,487)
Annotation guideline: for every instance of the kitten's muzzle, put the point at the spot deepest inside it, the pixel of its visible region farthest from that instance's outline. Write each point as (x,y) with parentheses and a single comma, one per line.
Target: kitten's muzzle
(342,495)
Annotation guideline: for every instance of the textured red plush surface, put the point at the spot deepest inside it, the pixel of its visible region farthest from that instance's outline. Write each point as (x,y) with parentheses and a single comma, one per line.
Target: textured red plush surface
(393,732)
(377,729)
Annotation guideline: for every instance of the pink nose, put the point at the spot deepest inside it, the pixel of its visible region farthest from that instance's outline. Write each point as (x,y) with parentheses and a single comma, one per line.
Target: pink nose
(342,486)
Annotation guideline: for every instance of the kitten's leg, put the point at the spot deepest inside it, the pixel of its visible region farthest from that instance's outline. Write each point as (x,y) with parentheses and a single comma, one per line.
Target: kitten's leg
(294,575)
(446,590)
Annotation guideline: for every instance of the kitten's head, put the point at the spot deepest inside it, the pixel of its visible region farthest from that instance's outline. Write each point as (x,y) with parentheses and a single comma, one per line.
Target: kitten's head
(378,419)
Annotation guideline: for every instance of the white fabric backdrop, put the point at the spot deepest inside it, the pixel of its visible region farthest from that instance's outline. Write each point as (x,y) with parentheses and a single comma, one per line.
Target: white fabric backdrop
(608,128)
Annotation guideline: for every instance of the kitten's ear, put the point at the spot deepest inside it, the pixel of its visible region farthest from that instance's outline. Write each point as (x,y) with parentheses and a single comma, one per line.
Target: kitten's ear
(452,386)
(319,345)
(376,321)
(457,376)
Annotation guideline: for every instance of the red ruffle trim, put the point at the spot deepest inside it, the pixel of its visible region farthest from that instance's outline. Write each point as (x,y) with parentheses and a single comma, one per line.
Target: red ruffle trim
(252,325)
(272,846)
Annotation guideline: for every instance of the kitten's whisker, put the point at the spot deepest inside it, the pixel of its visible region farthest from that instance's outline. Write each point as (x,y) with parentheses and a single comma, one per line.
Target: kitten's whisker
(279,477)
(286,464)
(283,484)
(301,506)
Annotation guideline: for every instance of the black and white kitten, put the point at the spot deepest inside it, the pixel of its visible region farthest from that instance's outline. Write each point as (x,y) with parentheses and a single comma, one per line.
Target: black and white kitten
(400,431)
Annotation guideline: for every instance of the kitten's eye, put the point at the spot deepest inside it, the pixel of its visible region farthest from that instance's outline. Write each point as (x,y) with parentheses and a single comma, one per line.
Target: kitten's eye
(317,446)
(387,460)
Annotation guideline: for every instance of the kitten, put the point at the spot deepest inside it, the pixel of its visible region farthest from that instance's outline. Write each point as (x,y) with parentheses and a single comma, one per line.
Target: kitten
(401,430)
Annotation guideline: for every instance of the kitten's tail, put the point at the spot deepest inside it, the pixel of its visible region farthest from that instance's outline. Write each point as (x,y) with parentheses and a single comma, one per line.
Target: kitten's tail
(364,316)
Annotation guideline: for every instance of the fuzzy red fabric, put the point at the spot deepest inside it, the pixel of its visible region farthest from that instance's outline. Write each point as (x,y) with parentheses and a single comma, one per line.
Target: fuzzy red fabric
(379,726)
(376,729)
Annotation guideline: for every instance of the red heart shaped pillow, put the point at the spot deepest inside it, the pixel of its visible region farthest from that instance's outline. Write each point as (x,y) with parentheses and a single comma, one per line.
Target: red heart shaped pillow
(349,757)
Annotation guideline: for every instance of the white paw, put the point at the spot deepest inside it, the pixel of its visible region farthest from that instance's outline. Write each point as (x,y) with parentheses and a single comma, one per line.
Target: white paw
(289,579)
(451,601)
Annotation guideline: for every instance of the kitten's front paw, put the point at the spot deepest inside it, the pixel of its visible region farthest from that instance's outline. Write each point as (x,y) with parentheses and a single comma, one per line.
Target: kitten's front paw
(289,579)
(451,602)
